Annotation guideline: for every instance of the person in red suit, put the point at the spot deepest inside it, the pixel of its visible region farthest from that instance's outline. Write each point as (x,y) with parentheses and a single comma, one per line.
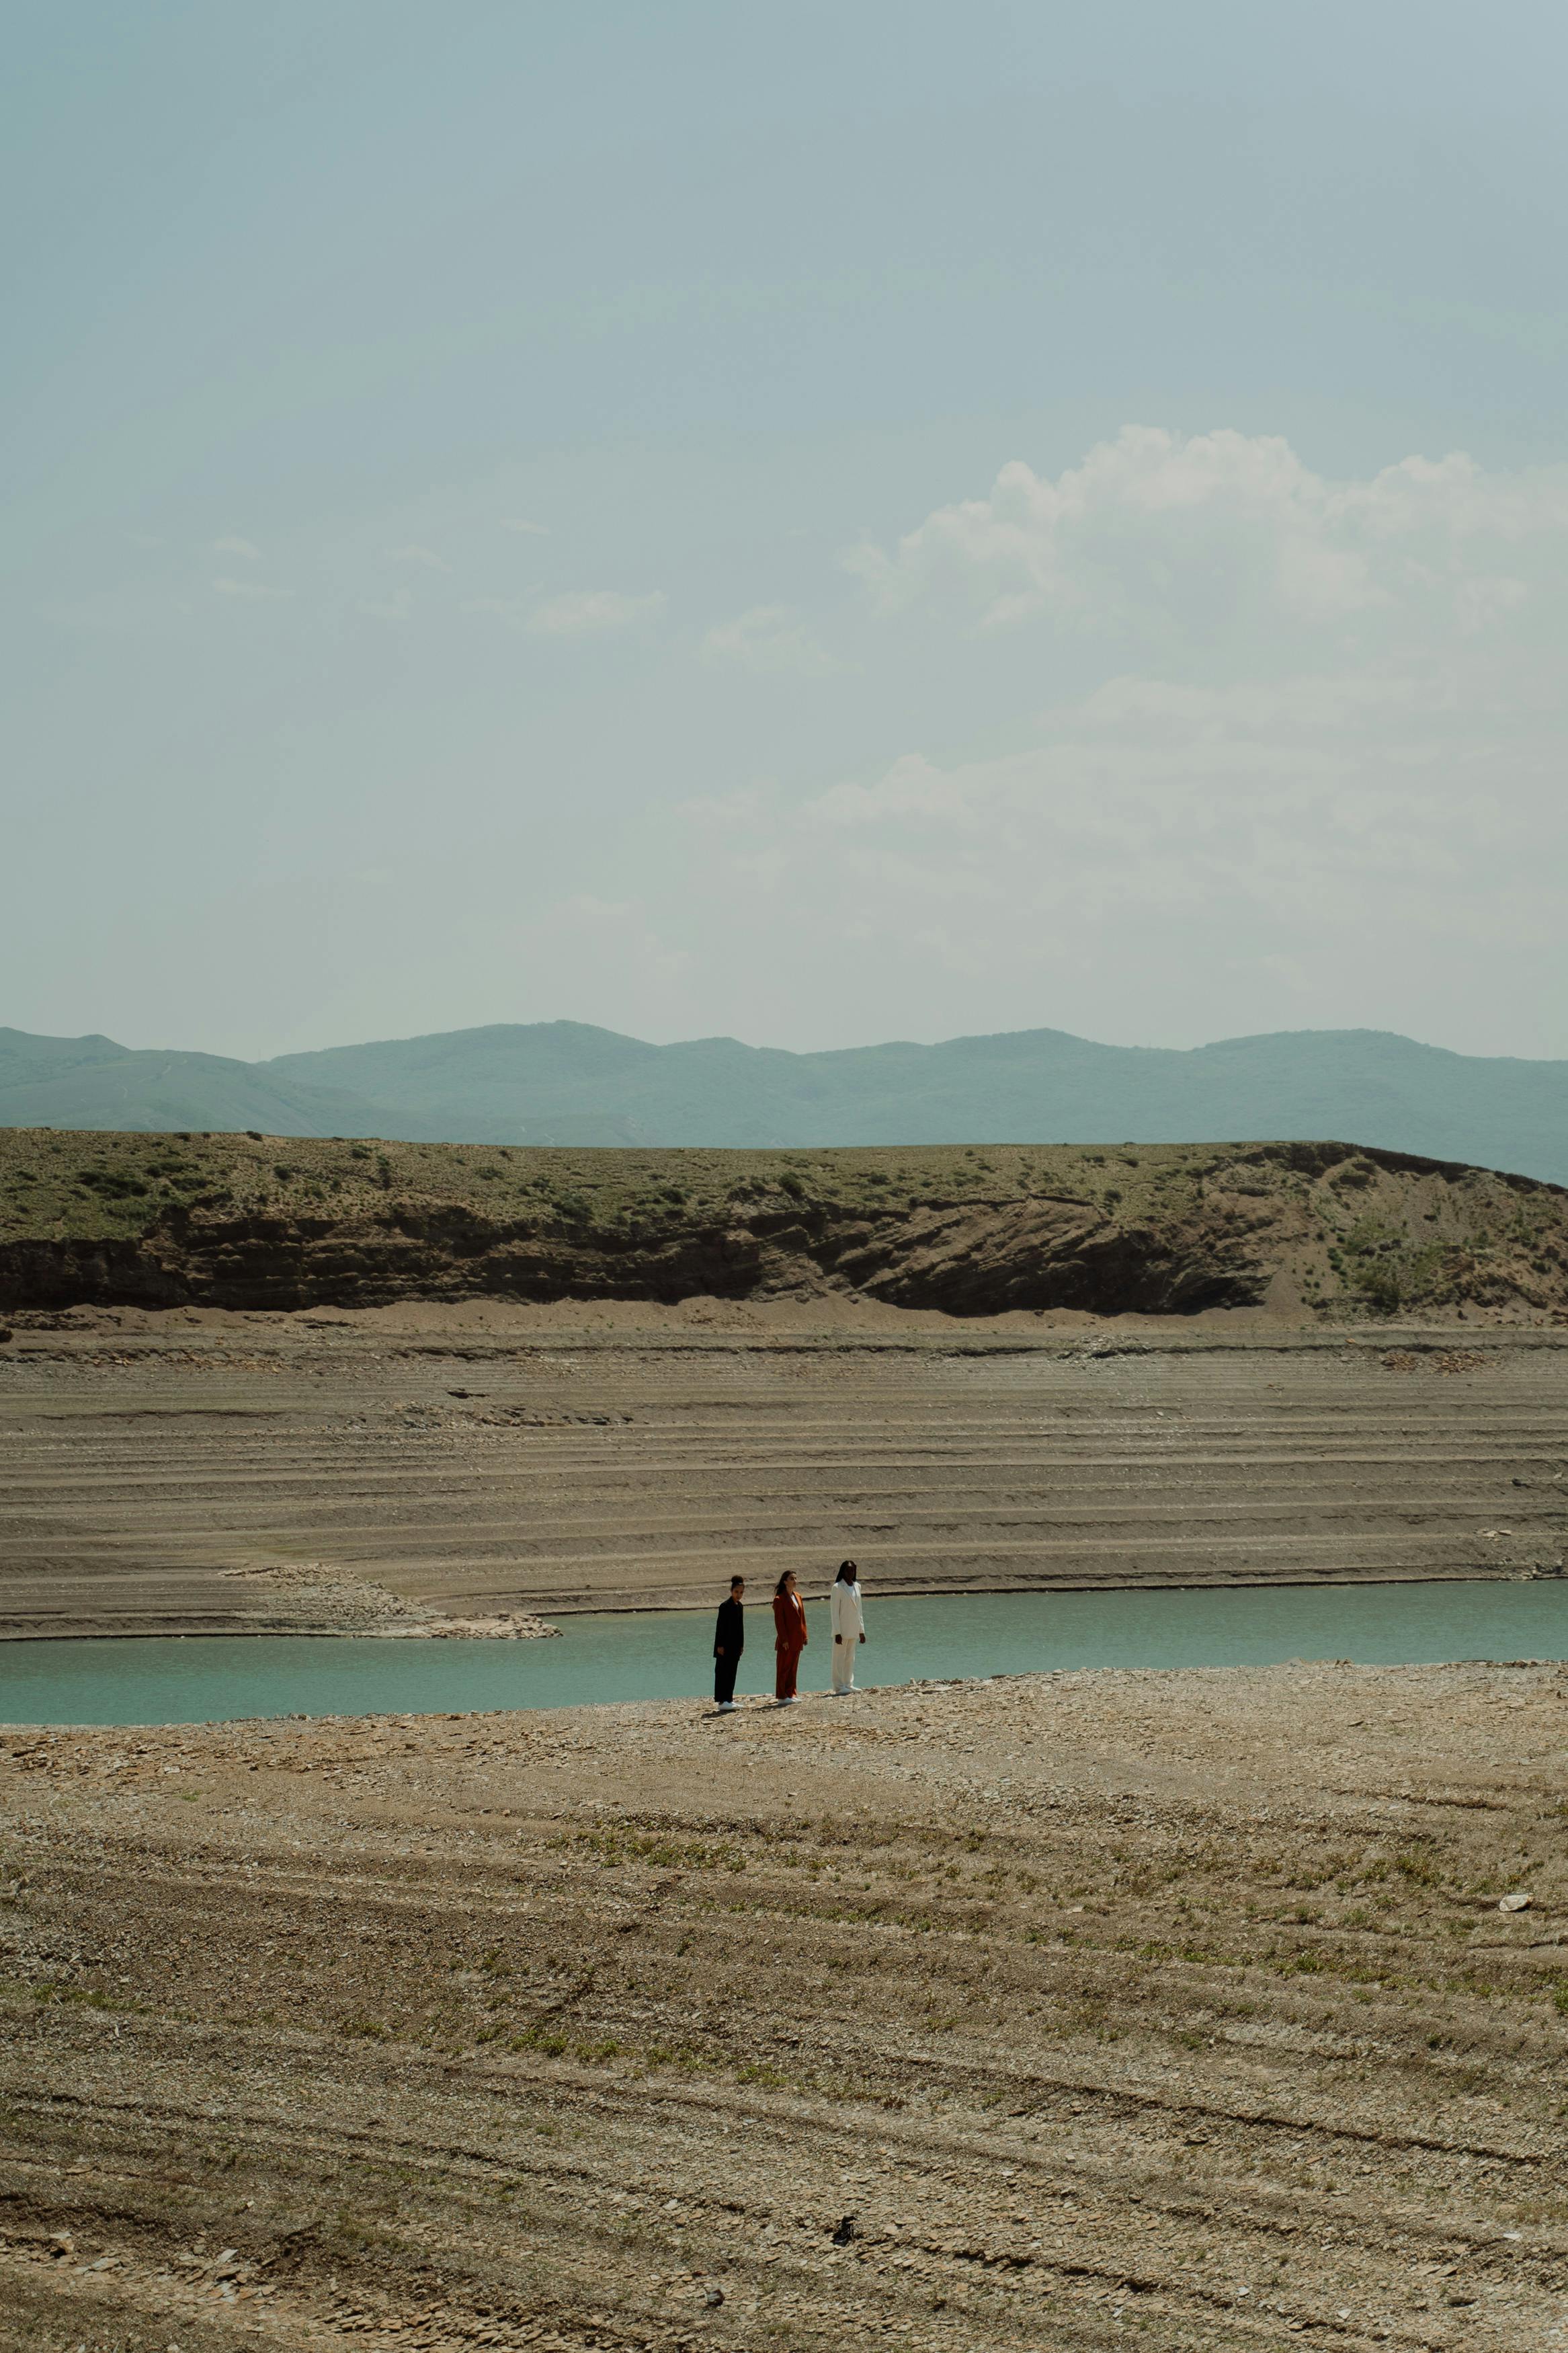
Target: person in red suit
(789,1637)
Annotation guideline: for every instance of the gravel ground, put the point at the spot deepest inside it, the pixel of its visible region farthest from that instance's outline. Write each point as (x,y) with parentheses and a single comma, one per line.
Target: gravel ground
(1170,2008)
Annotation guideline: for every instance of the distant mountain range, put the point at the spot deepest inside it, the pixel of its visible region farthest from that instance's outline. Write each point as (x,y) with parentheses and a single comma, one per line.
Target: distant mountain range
(564,1083)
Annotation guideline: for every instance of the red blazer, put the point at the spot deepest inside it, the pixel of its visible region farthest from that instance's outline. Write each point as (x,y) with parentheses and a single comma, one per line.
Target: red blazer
(789,1622)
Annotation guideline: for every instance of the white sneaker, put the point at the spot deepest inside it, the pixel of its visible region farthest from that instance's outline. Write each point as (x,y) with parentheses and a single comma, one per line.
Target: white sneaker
(726,1707)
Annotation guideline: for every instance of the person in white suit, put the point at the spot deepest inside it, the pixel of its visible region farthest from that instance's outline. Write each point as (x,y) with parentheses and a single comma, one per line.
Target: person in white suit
(848,1624)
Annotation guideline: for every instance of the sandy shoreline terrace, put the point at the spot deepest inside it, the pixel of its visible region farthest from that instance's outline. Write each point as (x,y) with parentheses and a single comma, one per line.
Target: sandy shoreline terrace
(1186,2010)
(414,1467)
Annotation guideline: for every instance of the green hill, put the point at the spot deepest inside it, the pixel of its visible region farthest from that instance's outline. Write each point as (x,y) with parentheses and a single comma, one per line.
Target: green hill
(564,1082)
(1323,1229)
(91,1082)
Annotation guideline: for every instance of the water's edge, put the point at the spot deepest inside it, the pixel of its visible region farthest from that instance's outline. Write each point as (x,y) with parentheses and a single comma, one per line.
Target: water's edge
(666,1655)
(1352,1582)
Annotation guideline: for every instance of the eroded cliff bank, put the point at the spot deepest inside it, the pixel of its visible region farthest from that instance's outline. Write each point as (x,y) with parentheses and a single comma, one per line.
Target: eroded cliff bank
(257,1222)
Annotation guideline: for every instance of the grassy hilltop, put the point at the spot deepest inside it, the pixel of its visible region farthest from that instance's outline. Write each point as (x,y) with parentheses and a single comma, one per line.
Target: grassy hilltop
(248,1220)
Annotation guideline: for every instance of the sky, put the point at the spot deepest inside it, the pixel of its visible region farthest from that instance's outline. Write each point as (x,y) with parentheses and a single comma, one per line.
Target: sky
(811,523)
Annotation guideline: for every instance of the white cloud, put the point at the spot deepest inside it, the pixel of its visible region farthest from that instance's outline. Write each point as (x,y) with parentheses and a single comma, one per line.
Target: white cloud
(425,557)
(1225,531)
(1333,802)
(245,547)
(133,609)
(514,611)
(1297,753)
(769,640)
(521,523)
(226,586)
(396,607)
(591,612)
(1157,842)
(576,613)
(613,934)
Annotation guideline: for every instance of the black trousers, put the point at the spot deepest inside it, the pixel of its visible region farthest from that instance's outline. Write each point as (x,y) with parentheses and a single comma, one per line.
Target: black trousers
(724,1672)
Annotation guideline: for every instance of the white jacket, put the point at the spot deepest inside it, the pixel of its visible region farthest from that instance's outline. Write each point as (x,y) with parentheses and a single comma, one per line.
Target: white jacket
(849,1618)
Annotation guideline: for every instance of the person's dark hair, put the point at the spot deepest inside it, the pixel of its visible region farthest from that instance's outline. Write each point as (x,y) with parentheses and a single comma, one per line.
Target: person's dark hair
(778,1590)
(734,1581)
(848,1572)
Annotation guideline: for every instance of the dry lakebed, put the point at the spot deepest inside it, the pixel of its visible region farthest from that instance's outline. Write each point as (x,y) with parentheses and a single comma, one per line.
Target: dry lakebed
(1197,2007)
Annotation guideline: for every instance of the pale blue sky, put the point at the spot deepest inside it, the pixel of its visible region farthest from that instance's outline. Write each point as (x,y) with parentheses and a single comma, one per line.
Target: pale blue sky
(503,519)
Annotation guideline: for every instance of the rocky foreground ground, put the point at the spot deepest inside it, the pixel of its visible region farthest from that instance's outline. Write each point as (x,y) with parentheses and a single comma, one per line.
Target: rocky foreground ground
(1190,2011)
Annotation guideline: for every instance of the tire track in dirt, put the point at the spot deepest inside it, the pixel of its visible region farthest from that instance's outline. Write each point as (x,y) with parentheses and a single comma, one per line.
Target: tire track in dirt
(1205,2029)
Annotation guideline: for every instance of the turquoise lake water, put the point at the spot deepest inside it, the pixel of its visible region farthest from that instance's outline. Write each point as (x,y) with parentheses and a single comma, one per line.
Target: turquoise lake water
(664,1655)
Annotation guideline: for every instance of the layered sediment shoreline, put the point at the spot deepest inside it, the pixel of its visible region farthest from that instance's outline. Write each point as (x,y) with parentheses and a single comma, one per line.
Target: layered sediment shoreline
(428,1466)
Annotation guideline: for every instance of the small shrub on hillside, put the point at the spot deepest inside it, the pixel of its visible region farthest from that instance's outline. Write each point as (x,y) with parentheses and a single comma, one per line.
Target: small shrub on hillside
(113,1183)
(1379,1286)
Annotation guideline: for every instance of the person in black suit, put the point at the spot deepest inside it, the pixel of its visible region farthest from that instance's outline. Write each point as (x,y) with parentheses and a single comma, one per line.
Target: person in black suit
(729,1641)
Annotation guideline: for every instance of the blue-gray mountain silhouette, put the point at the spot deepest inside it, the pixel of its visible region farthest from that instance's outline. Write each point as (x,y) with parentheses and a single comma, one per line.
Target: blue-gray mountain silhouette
(566,1083)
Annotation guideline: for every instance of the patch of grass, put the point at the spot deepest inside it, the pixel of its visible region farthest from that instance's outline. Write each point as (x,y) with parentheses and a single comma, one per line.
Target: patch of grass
(541,2039)
(61,1186)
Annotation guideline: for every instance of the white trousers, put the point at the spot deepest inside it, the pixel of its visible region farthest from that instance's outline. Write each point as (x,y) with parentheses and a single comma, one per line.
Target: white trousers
(844,1664)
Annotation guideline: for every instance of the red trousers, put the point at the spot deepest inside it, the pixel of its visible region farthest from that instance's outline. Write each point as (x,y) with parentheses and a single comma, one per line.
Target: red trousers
(787,1662)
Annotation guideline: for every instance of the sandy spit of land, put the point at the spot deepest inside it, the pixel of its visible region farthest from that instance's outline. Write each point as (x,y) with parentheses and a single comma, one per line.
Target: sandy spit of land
(1176,2009)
